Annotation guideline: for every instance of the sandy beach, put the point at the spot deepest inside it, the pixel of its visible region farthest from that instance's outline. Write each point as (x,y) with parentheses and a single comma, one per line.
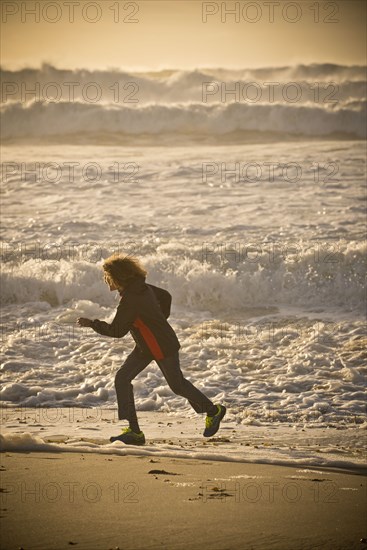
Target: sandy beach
(91,501)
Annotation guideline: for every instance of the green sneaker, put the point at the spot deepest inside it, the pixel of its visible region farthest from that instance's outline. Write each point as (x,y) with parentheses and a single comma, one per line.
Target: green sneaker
(212,422)
(129,437)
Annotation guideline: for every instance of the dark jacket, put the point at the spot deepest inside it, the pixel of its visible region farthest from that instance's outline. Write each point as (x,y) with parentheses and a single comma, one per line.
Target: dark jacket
(143,311)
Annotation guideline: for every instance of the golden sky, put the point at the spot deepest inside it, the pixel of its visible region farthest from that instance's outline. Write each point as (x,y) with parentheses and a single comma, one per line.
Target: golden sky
(172,34)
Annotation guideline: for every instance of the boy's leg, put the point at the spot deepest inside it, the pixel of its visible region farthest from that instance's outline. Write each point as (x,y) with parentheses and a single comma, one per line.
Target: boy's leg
(170,366)
(135,363)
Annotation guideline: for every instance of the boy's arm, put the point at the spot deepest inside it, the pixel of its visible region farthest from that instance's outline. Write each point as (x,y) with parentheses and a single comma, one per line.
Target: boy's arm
(125,316)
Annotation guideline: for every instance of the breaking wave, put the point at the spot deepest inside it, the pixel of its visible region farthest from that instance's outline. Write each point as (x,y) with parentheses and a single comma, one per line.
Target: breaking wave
(62,119)
(203,283)
(305,100)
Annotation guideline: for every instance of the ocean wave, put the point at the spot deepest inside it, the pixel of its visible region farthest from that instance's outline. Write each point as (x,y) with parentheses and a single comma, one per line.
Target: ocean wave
(320,71)
(210,282)
(62,119)
(319,83)
(103,106)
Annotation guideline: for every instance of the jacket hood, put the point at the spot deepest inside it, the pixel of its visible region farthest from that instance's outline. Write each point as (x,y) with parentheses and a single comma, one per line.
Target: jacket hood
(136,286)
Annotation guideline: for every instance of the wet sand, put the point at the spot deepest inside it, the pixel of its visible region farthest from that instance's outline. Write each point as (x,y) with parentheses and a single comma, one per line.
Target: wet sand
(93,501)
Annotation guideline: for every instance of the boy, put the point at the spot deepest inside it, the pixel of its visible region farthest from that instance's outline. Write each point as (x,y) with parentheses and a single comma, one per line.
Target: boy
(143,311)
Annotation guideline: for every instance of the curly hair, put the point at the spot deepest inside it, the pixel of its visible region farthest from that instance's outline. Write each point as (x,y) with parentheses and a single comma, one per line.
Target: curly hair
(123,269)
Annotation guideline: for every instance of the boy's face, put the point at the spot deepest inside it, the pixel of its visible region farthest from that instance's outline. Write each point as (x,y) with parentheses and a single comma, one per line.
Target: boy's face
(110,283)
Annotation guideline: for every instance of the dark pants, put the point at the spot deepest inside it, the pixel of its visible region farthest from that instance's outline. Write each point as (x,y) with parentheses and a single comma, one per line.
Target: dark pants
(170,367)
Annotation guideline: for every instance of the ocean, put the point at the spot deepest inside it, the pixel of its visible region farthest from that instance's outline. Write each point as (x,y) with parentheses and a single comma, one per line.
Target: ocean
(242,192)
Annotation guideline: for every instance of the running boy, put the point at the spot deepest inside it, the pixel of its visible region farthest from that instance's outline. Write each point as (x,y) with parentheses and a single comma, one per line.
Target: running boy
(143,311)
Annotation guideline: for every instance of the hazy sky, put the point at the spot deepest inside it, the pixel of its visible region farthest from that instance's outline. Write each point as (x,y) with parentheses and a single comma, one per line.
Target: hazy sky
(172,33)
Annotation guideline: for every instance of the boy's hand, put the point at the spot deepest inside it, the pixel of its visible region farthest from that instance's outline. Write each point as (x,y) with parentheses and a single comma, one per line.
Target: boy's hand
(84,322)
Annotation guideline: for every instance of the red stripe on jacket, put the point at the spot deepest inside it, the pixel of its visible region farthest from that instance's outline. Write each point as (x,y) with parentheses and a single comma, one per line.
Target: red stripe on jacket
(149,338)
